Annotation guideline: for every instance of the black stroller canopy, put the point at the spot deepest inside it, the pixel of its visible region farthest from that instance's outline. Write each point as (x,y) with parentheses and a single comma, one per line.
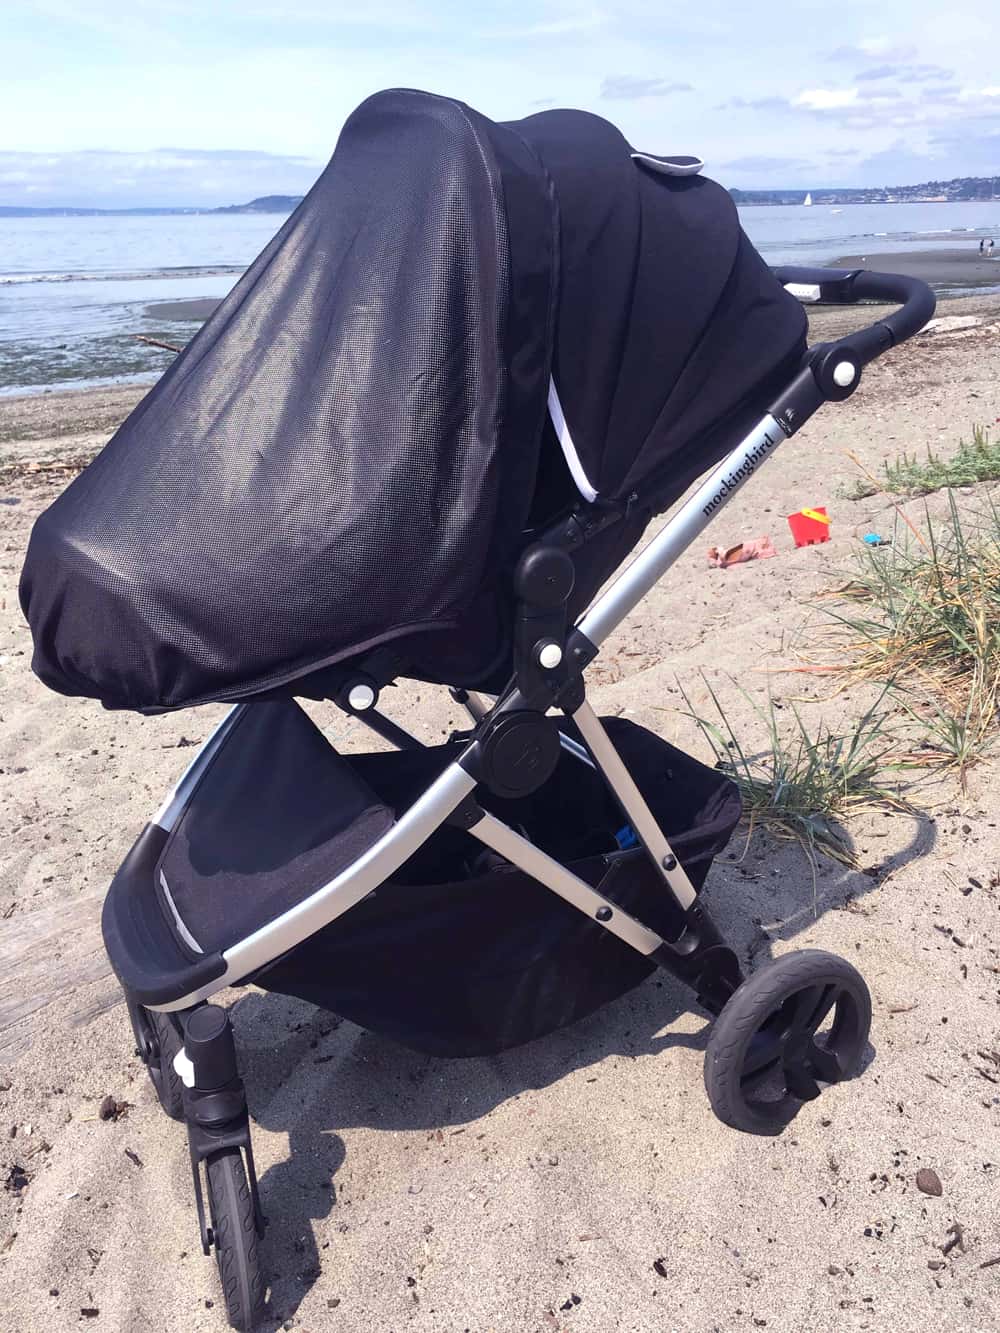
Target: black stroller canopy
(346,453)
(668,319)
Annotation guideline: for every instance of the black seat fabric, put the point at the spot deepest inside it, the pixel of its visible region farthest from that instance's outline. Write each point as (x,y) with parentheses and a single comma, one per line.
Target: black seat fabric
(277,814)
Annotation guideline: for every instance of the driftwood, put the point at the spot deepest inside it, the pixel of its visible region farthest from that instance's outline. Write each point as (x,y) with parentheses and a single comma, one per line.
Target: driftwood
(52,958)
(157,342)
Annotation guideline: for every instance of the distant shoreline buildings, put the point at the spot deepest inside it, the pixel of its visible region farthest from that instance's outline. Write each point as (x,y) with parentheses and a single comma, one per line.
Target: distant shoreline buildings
(963,189)
(960,190)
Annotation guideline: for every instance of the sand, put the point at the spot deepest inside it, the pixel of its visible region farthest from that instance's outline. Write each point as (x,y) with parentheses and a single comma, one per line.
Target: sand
(580,1183)
(941,268)
(198,309)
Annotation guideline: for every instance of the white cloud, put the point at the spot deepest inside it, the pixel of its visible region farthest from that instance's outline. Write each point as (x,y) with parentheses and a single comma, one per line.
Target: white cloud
(826,99)
(628,86)
(873,48)
(280,76)
(583,21)
(886,48)
(169,177)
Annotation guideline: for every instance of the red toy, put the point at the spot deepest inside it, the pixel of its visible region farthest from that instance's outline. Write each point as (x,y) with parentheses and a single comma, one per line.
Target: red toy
(810,526)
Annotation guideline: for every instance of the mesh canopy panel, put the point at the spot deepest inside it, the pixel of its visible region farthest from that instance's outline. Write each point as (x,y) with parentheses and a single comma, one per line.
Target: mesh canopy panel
(321,469)
(671,332)
(347,453)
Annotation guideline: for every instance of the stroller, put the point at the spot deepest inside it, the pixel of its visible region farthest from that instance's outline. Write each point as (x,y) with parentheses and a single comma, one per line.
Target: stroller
(431,420)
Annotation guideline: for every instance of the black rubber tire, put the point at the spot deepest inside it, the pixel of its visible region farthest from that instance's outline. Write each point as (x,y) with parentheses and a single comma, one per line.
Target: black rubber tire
(235,1236)
(765,996)
(166,1081)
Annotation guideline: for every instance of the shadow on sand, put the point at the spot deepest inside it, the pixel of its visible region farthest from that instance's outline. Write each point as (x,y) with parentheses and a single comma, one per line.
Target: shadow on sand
(758,894)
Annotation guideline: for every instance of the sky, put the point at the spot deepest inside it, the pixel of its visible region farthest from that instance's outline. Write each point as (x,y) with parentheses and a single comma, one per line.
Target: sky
(176,102)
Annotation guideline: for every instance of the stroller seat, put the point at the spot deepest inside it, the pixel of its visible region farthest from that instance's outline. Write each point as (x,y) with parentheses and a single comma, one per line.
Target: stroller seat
(472,954)
(276,813)
(255,838)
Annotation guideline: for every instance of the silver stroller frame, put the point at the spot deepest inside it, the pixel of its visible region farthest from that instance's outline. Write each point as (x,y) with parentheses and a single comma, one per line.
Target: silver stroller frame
(770,1021)
(456,784)
(832,375)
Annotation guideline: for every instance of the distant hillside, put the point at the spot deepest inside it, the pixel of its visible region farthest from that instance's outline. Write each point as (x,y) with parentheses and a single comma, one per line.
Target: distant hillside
(16,212)
(269,203)
(962,189)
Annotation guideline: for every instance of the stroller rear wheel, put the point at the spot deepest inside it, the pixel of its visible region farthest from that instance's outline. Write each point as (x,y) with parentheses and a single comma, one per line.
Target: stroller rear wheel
(166,1081)
(798,1023)
(234,1238)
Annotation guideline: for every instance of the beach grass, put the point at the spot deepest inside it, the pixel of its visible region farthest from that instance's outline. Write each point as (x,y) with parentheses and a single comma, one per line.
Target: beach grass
(801,785)
(922,617)
(975,460)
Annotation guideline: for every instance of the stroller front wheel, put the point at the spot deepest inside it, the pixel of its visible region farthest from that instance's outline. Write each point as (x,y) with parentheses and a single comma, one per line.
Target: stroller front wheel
(234,1239)
(164,1076)
(800,1022)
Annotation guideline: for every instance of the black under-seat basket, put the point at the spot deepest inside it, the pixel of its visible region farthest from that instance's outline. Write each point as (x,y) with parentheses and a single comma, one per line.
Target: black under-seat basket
(459,953)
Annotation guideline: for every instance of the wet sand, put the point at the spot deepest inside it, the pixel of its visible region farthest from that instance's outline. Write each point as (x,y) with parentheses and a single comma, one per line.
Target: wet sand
(940,268)
(943,269)
(186,311)
(580,1184)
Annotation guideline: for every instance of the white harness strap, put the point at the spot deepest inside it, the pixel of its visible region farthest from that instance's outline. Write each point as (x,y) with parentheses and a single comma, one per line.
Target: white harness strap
(567,445)
(182,929)
(667,166)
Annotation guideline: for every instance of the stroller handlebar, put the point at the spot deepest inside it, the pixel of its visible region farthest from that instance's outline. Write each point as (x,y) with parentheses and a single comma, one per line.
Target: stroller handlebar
(832,371)
(832,286)
(829,373)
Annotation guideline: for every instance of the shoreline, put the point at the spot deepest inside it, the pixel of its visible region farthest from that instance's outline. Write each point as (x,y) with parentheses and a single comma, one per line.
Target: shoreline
(195,309)
(120,363)
(50,413)
(941,269)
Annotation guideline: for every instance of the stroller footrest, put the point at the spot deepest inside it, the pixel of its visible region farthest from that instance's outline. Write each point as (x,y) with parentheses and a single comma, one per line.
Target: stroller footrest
(151,965)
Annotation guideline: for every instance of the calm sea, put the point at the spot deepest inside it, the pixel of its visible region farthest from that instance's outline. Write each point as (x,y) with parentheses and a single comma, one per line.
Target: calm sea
(74,290)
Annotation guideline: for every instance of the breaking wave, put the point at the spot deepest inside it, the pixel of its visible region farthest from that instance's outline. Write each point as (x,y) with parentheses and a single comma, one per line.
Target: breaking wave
(123,275)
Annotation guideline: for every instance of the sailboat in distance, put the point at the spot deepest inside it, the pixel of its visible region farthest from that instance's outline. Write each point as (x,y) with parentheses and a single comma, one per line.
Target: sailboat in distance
(807,201)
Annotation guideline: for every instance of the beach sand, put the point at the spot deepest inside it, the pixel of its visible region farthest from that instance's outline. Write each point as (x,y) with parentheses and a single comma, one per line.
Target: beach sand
(580,1183)
(941,268)
(200,308)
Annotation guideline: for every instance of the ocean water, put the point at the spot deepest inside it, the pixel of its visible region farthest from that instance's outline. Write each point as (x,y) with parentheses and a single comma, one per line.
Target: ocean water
(75,290)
